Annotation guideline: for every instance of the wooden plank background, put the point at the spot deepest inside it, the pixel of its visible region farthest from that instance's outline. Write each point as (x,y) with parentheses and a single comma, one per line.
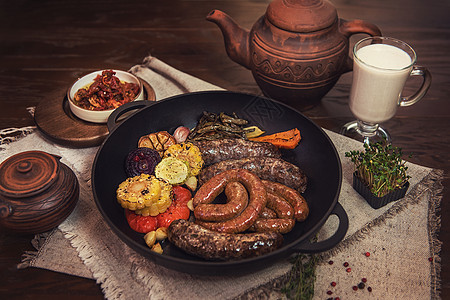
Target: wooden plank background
(45,45)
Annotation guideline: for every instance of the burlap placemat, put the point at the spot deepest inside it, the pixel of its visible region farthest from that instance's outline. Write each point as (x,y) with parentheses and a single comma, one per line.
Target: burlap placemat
(394,235)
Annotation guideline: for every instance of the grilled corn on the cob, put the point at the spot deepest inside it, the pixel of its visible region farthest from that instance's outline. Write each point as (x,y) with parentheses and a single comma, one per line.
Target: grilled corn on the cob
(162,204)
(145,192)
(189,153)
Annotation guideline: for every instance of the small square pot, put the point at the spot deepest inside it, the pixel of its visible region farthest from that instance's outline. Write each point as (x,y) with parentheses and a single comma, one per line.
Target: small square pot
(374,201)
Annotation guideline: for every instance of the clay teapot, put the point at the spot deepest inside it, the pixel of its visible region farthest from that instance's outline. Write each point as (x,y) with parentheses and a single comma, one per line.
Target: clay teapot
(37,192)
(297,51)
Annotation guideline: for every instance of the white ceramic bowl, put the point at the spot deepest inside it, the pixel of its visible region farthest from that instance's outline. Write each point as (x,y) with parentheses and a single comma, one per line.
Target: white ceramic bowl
(98,116)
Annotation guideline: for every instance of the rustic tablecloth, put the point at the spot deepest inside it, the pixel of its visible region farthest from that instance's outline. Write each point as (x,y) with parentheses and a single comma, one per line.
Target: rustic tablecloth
(401,237)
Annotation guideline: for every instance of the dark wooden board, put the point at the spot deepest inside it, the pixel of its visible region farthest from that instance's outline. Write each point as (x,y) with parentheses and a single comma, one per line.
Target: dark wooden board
(54,118)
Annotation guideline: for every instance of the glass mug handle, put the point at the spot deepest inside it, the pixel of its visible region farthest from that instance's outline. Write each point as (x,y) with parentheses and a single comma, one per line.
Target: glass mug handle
(417,71)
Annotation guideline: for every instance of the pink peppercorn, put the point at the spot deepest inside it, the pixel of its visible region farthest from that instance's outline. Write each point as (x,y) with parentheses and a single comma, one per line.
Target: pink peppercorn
(348,270)
(355,288)
(367,254)
(333,283)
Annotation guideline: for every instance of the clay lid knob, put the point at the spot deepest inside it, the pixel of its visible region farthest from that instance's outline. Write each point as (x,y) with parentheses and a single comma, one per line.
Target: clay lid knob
(24,166)
(301,15)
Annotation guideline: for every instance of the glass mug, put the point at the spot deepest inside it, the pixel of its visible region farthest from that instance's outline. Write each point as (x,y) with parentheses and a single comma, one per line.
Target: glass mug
(381,67)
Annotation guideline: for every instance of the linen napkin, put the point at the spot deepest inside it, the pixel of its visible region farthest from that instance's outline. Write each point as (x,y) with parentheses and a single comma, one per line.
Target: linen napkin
(83,245)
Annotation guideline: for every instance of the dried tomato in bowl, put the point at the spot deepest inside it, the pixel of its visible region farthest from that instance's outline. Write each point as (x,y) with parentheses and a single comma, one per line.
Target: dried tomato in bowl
(106,92)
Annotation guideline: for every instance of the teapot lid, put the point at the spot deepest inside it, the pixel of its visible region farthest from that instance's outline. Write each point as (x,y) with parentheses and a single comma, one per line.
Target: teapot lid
(27,174)
(301,15)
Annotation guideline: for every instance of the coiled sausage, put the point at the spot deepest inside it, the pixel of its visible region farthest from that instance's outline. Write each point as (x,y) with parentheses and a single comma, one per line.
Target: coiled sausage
(299,204)
(237,201)
(283,221)
(277,225)
(267,213)
(213,187)
(279,205)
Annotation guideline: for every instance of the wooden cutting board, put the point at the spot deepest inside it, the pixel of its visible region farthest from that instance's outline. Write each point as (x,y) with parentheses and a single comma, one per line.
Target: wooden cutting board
(56,121)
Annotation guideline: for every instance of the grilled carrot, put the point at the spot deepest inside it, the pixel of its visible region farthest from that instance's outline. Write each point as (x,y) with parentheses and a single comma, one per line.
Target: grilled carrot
(286,139)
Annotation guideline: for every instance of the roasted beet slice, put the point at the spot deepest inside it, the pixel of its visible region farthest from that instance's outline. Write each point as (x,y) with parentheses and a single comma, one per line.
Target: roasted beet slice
(141,160)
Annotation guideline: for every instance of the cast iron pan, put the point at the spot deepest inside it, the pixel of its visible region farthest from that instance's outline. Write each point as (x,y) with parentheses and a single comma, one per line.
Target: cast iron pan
(316,155)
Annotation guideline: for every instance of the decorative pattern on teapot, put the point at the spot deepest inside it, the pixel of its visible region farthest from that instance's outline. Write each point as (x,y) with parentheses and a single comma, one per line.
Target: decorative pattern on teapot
(296,71)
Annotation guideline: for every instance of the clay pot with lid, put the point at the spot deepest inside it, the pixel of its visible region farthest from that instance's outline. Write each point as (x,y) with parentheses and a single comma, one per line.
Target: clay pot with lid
(297,51)
(37,192)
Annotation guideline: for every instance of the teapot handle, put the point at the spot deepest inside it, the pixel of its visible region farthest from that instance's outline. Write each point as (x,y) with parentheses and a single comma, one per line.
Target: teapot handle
(349,28)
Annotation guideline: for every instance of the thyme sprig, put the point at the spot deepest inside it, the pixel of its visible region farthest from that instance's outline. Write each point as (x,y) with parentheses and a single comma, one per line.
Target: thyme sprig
(301,277)
(380,166)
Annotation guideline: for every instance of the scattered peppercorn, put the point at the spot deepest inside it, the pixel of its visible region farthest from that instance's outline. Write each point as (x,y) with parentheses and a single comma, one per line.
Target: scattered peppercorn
(346,264)
(333,283)
(364,280)
(361,285)
(355,288)
(367,254)
(430,259)
(329,292)
(331,262)
(369,289)
(348,270)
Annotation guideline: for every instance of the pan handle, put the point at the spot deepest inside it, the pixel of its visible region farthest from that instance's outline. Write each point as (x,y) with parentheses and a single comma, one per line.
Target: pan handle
(308,247)
(114,118)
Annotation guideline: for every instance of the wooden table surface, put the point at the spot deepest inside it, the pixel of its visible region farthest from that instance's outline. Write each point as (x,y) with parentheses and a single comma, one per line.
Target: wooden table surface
(45,45)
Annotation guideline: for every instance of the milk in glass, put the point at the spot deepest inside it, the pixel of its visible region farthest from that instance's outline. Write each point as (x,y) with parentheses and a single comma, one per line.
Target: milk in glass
(379,74)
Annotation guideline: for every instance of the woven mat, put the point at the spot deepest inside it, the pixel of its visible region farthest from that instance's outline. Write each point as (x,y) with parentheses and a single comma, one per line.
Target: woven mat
(401,237)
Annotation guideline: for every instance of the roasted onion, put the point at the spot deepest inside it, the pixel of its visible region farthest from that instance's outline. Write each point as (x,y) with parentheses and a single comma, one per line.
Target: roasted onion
(181,134)
(141,161)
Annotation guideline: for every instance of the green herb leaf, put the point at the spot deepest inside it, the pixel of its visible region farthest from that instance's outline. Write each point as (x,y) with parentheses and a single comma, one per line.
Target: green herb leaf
(301,277)
(380,167)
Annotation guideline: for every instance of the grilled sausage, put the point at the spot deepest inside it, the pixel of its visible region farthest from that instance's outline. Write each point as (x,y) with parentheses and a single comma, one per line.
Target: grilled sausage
(283,221)
(214,186)
(268,168)
(211,245)
(299,204)
(267,213)
(278,204)
(237,200)
(224,149)
(277,225)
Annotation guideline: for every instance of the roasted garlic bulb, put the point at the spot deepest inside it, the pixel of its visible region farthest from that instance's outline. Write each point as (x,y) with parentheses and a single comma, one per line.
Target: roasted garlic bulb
(159,141)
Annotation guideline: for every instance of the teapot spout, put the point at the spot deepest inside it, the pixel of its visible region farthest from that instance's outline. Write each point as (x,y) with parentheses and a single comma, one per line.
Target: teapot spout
(235,37)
